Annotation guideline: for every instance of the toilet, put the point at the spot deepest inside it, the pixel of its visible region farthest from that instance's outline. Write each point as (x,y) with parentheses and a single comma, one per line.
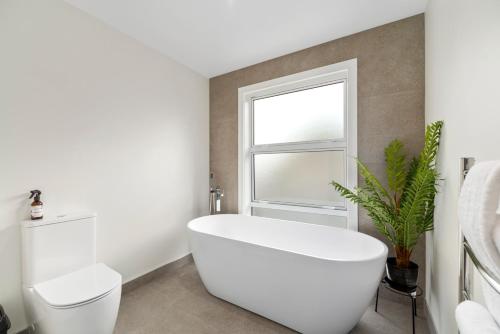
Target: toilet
(64,289)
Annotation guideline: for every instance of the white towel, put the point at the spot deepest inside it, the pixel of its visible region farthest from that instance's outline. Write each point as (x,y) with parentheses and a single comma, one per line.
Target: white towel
(477,213)
(473,318)
(496,234)
(492,298)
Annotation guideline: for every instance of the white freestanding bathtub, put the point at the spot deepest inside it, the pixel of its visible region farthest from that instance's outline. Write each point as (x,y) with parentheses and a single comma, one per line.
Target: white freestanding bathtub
(311,278)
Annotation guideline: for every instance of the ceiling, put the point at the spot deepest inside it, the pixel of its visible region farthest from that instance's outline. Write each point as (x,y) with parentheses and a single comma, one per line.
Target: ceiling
(213,37)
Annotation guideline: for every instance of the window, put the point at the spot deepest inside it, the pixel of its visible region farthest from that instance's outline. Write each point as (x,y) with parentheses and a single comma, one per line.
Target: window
(296,134)
(315,113)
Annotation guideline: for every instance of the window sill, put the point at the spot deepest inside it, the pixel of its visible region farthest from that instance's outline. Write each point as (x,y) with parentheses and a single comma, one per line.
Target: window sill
(332,211)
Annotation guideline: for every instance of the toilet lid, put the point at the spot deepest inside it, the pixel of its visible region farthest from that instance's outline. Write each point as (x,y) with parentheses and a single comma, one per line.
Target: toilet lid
(79,286)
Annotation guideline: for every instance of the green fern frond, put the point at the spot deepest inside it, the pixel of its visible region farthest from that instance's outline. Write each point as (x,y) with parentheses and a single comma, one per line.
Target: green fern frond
(395,160)
(372,183)
(414,208)
(410,175)
(432,135)
(378,210)
(409,212)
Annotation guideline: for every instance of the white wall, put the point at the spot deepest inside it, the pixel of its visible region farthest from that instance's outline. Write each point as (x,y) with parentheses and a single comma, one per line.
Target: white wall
(99,123)
(462,73)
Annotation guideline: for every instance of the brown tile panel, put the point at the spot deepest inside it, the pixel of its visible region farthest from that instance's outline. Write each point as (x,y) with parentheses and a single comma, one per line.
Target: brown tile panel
(390,98)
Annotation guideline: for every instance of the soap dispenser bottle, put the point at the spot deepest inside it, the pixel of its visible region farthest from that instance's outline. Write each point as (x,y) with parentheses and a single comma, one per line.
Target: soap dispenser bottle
(37,205)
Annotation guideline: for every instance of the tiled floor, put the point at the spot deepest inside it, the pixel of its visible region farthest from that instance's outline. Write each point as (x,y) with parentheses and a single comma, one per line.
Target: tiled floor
(177,302)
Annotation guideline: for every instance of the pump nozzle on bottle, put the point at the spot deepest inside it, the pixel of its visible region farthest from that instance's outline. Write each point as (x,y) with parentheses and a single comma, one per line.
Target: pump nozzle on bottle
(35,193)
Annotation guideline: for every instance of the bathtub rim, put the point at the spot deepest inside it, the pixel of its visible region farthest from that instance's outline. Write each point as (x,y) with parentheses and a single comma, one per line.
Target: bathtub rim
(338,260)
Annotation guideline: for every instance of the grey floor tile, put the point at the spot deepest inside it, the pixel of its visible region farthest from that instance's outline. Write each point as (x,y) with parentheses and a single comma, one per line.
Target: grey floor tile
(177,302)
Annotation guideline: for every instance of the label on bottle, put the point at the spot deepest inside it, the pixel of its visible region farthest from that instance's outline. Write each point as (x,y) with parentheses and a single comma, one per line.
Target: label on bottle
(37,211)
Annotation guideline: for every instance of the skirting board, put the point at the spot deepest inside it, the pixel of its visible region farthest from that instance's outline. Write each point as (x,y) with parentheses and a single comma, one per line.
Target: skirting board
(430,320)
(144,279)
(26,331)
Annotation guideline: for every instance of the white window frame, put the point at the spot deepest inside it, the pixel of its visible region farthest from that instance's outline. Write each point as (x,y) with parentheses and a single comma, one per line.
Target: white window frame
(345,71)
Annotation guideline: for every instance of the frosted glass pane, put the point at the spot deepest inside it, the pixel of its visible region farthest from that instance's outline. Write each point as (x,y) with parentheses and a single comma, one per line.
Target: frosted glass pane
(299,178)
(306,115)
(311,218)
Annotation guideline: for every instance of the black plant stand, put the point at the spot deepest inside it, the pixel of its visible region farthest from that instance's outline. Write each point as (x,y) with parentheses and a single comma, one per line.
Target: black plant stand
(411,292)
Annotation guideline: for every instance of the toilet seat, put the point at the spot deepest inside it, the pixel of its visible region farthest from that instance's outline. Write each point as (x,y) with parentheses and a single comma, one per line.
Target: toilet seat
(78,288)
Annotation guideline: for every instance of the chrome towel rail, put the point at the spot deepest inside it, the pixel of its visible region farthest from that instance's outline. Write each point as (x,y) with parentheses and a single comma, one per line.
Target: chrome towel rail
(463,286)
(492,279)
(467,252)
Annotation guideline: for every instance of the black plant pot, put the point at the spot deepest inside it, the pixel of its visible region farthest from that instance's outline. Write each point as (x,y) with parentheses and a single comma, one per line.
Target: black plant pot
(401,277)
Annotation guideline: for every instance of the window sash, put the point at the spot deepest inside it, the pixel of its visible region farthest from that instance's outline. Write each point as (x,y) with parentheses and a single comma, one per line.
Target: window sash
(335,206)
(336,142)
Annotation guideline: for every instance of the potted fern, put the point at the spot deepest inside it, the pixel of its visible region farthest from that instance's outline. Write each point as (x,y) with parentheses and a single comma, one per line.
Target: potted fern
(404,210)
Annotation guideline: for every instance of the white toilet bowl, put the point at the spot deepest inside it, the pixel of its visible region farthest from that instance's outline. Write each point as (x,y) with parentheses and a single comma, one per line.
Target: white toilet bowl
(65,290)
(85,301)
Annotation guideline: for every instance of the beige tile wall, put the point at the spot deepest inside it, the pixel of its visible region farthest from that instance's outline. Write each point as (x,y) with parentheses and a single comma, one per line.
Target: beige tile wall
(390,99)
